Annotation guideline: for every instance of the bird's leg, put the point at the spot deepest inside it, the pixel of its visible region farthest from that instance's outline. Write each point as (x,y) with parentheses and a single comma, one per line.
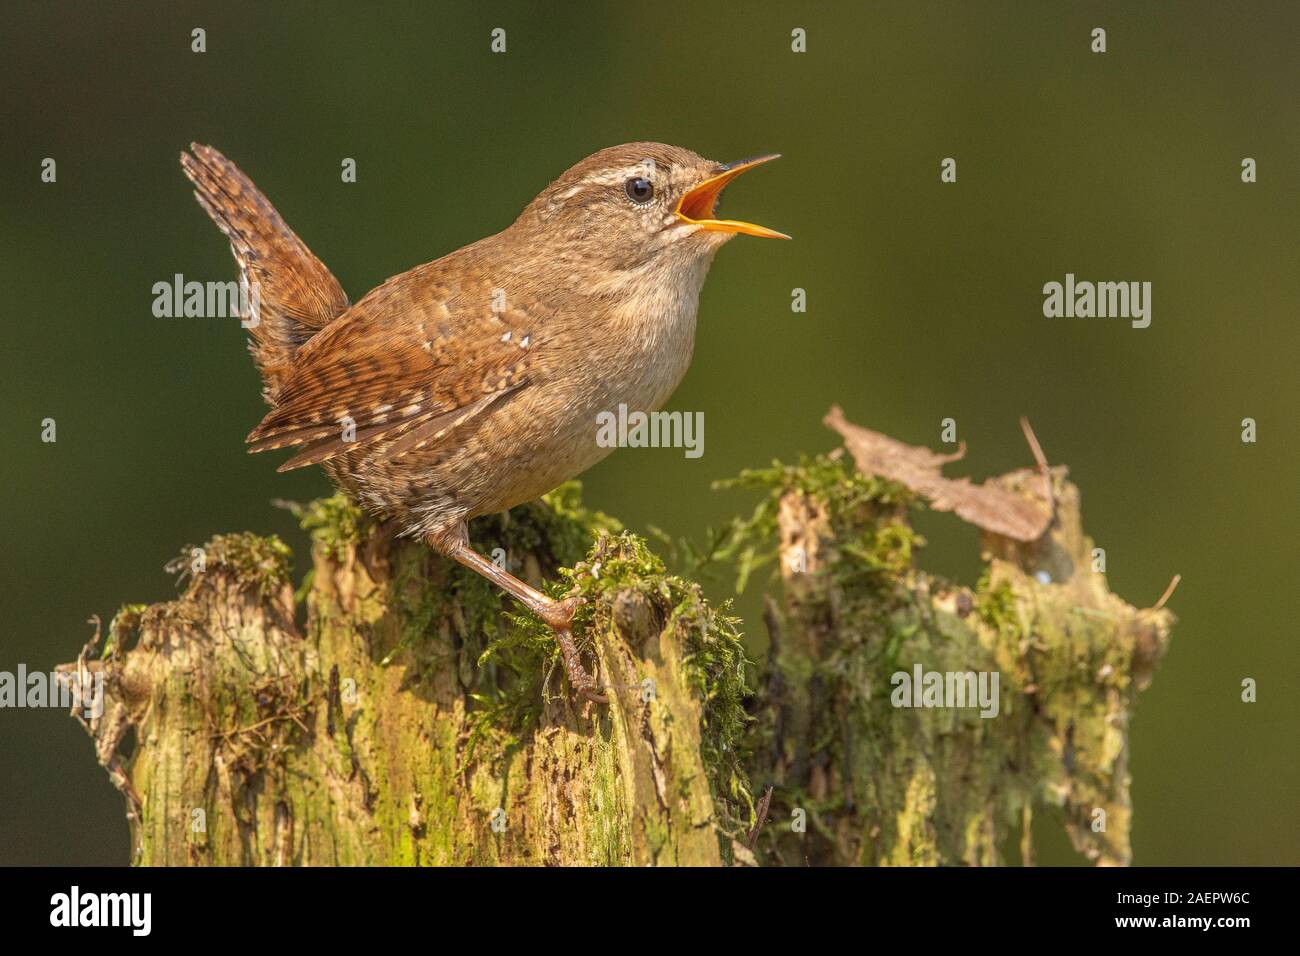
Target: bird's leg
(558,615)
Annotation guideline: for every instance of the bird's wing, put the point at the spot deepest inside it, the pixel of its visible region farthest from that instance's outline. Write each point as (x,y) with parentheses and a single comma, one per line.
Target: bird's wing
(412,360)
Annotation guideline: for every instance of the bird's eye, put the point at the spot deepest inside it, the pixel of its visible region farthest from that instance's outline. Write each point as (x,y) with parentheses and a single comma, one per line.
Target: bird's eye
(639,190)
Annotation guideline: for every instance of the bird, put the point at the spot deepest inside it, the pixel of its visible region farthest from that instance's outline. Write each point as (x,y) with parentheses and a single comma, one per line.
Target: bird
(472,384)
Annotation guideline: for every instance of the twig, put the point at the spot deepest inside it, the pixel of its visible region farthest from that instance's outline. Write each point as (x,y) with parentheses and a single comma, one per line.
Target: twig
(1169,592)
(763,804)
(1043,468)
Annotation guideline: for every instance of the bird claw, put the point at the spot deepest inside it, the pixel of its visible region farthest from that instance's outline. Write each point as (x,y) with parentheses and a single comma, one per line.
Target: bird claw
(558,614)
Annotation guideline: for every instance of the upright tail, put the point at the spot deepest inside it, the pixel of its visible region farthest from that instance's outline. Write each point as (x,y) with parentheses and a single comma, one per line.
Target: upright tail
(291,292)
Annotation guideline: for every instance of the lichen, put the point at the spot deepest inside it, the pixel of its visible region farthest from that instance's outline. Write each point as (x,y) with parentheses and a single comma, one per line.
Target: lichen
(448,716)
(879,784)
(713,653)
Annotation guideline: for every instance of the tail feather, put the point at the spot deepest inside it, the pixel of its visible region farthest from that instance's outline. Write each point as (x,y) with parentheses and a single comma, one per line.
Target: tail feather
(293,294)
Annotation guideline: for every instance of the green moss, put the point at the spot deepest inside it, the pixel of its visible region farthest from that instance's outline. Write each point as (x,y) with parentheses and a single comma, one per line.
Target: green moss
(517,654)
(996,604)
(931,785)
(713,651)
(715,665)
(335,523)
(849,497)
(263,562)
(526,656)
(878,556)
(523,654)
(123,628)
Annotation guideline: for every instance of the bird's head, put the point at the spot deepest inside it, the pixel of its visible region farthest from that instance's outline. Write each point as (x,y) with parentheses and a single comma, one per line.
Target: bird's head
(637,207)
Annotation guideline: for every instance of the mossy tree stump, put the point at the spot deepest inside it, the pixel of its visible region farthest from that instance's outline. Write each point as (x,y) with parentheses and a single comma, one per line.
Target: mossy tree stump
(394,710)
(409,720)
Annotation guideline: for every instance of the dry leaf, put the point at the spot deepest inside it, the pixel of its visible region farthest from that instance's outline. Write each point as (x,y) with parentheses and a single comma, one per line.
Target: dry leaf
(985,506)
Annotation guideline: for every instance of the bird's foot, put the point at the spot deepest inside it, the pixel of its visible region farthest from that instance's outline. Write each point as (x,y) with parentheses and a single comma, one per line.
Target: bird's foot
(558,612)
(582,682)
(558,615)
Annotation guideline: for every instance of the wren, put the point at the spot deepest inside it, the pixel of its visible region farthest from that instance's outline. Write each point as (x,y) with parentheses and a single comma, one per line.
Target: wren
(473,383)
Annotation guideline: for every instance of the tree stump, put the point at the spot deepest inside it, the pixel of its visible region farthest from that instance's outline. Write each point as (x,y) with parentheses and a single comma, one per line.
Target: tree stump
(394,710)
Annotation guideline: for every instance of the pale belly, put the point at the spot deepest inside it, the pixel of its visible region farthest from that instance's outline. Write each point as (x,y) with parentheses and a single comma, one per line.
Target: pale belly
(523,447)
(545,438)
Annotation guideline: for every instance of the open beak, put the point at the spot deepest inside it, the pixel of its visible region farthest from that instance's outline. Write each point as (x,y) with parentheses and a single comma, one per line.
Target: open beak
(696,207)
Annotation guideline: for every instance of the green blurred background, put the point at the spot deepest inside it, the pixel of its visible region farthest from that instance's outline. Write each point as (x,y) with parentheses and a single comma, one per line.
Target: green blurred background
(924,302)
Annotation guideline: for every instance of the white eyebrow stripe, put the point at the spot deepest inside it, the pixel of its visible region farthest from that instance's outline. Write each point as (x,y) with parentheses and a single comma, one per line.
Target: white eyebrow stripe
(647,168)
(603,179)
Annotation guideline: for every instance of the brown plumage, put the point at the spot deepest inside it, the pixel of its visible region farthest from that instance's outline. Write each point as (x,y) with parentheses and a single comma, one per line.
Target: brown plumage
(298,295)
(473,383)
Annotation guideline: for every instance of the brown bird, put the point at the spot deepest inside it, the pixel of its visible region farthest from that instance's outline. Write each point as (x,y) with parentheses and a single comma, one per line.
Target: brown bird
(472,383)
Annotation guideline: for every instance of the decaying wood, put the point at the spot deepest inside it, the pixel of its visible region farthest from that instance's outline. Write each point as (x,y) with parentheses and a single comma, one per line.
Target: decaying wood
(880,784)
(395,710)
(350,740)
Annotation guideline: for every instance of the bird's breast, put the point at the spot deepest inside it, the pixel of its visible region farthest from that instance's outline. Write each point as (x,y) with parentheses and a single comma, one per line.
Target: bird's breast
(655,334)
(641,338)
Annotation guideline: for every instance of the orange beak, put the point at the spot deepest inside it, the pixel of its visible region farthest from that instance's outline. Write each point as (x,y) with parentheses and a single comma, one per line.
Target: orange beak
(696,207)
